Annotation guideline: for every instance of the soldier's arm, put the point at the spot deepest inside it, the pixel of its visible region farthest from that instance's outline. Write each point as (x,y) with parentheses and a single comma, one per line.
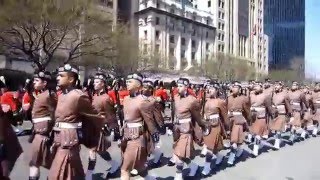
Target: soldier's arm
(146,110)
(157,114)
(287,104)
(195,112)
(110,114)
(224,114)
(268,105)
(246,108)
(304,100)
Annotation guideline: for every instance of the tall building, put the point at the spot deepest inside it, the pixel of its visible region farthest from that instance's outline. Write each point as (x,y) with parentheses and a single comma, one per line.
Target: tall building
(240,30)
(182,35)
(284,23)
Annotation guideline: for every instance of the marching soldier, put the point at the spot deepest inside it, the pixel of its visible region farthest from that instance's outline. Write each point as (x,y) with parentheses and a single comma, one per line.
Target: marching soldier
(298,102)
(217,122)
(138,126)
(76,122)
(103,104)
(186,128)
(260,109)
(42,118)
(157,111)
(282,108)
(308,112)
(239,114)
(316,108)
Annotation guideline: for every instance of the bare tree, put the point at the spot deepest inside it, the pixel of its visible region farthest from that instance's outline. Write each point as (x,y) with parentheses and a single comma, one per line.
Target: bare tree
(40,30)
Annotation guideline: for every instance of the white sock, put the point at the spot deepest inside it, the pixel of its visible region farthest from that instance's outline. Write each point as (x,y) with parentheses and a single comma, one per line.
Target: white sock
(204,150)
(193,169)
(277,143)
(114,166)
(34,171)
(231,158)
(207,168)
(157,155)
(315,131)
(89,174)
(219,158)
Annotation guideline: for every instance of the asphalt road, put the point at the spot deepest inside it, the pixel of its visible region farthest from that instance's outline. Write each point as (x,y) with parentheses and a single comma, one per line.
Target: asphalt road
(297,162)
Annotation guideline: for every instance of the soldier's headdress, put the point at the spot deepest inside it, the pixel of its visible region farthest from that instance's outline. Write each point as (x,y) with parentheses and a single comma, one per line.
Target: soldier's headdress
(148,83)
(136,76)
(236,83)
(2,82)
(212,85)
(267,80)
(44,75)
(69,68)
(258,83)
(295,83)
(279,82)
(101,76)
(183,81)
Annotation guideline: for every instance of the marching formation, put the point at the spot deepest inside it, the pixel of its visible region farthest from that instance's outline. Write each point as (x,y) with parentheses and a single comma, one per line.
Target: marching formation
(131,111)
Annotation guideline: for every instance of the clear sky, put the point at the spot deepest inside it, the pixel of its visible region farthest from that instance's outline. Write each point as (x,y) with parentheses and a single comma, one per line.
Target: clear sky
(312,46)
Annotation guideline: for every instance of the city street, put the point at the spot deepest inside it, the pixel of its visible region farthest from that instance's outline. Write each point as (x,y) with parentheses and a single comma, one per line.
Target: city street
(297,162)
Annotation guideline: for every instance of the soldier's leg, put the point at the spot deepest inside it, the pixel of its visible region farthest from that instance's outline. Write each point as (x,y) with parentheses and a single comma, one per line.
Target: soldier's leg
(207,165)
(204,151)
(91,165)
(232,154)
(193,166)
(179,168)
(34,173)
(256,145)
(157,154)
(315,128)
(277,140)
(115,165)
(219,158)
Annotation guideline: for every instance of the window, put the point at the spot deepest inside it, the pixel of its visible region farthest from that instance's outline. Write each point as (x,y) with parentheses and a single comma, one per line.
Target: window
(196,6)
(193,55)
(158,5)
(207,46)
(183,53)
(145,34)
(172,10)
(157,47)
(222,26)
(207,34)
(222,37)
(157,20)
(222,48)
(193,44)
(194,32)
(146,20)
(171,38)
(219,25)
(157,35)
(183,41)
(209,3)
(171,51)
(208,21)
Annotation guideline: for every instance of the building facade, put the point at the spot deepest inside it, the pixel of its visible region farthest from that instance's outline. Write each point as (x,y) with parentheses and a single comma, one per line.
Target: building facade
(240,31)
(180,34)
(284,23)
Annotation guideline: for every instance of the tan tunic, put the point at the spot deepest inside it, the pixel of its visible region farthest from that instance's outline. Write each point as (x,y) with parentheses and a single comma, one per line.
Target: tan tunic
(157,111)
(316,105)
(260,109)
(238,112)
(103,104)
(281,106)
(11,144)
(43,121)
(73,107)
(216,118)
(138,126)
(297,99)
(187,125)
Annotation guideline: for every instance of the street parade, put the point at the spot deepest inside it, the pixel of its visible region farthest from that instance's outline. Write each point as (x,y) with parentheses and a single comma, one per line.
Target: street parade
(134,113)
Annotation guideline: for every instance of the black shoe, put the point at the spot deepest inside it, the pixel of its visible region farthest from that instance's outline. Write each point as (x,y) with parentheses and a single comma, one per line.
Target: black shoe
(153,165)
(114,174)
(33,178)
(170,163)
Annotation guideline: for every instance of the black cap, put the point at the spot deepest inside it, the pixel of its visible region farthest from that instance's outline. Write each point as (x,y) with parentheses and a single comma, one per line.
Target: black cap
(69,68)
(136,76)
(148,83)
(183,81)
(44,75)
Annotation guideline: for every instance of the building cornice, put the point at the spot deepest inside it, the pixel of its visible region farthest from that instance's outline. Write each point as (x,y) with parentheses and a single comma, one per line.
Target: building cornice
(159,11)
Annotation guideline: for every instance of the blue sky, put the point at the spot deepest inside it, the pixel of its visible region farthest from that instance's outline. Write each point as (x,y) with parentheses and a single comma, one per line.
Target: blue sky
(312,49)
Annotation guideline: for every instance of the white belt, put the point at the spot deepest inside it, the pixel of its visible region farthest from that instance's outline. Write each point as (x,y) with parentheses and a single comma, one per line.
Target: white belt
(295,103)
(317,102)
(258,108)
(214,116)
(185,120)
(42,119)
(235,113)
(134,125)
(65,125)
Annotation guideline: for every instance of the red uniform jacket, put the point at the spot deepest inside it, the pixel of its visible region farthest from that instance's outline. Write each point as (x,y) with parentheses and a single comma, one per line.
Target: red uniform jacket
(8,103)
(162,93)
